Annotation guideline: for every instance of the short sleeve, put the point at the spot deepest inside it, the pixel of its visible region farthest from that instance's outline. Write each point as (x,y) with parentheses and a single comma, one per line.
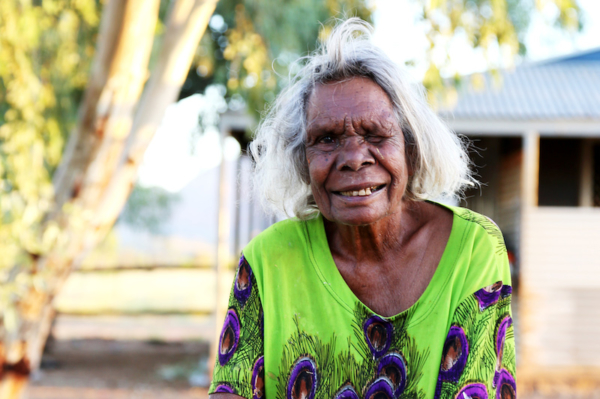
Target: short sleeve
(478,357)
(239,367)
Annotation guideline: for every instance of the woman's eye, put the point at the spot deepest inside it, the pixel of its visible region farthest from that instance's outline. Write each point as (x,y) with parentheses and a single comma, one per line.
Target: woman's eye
(371,138)
(327,140)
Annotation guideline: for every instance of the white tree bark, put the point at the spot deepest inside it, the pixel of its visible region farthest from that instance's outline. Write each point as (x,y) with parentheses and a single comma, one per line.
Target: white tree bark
(186,25)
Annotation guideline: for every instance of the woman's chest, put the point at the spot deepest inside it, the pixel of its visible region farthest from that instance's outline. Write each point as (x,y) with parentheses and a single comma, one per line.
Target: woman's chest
(390,289)
(320,350)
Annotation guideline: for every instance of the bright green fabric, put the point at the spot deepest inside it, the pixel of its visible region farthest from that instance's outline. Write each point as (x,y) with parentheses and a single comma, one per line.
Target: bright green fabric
(310,313)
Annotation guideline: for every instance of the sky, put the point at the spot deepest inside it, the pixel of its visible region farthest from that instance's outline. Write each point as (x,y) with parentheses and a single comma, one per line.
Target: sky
(400,34)
(179,151)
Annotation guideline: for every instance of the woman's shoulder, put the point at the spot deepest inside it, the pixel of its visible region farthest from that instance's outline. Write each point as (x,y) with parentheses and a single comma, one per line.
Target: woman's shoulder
(278,233)
(285,238)
(481,257)
(280,250)
(485,233)
(479,227)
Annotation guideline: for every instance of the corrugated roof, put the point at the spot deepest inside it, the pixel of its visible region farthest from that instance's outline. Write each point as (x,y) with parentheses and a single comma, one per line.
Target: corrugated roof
(565,89)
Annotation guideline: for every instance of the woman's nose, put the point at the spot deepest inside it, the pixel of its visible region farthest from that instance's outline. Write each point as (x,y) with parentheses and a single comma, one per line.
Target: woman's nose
(354,154)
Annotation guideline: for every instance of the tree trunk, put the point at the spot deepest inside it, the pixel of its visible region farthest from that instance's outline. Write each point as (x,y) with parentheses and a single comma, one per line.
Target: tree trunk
(100,161)
(13,385)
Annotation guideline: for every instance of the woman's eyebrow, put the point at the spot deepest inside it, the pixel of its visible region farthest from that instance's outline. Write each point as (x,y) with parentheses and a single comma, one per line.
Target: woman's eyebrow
(379,125)
(330,124)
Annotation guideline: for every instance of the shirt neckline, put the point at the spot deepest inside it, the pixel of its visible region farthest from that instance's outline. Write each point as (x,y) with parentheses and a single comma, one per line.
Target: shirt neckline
(325,267)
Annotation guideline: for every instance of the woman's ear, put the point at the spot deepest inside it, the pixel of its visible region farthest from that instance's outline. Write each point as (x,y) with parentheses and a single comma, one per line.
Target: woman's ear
(303,162)
(411,160)
(410,153)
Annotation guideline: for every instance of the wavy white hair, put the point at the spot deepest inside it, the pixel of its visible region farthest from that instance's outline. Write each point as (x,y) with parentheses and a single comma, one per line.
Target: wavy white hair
(281,180)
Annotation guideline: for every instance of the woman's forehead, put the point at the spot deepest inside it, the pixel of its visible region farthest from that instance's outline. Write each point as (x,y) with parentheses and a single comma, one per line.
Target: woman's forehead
(376,120)
(354,100)
(354,90)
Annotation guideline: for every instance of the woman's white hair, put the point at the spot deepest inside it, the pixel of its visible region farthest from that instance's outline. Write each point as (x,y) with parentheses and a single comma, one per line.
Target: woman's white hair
(281,180)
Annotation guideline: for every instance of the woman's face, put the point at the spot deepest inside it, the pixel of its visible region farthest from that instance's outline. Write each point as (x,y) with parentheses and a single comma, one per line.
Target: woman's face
(355,152)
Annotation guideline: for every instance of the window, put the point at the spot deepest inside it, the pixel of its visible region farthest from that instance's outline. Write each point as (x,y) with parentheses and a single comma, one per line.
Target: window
(560,168)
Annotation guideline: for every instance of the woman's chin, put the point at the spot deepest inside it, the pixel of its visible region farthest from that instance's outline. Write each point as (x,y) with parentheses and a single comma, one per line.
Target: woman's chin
(355,217)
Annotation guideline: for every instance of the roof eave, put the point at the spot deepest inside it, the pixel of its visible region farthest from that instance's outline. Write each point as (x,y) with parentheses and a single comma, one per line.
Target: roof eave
(546,127)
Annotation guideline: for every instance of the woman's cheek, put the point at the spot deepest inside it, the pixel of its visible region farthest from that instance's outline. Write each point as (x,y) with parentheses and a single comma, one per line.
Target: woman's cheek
(318,167)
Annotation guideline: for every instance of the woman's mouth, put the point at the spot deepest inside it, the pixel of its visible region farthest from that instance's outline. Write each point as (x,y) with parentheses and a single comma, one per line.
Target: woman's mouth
(363,192)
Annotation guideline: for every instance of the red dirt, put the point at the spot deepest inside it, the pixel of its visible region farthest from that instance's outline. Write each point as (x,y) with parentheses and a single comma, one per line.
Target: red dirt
(116,369)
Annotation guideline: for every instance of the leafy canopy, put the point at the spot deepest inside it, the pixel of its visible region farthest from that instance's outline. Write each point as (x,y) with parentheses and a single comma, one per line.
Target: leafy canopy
(490,26)
(45,54)
(251,44)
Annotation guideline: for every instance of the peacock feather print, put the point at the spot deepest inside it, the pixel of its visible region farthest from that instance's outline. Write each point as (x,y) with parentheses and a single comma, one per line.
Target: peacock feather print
(238,365)
(478,355)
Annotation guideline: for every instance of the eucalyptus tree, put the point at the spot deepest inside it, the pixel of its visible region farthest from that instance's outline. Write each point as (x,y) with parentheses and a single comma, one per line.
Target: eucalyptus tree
(57,203)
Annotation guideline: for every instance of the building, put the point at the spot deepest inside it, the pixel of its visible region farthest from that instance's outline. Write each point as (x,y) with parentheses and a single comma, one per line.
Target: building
(536,139)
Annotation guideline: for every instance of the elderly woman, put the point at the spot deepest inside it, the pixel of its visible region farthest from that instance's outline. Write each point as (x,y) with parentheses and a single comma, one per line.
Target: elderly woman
(372,290)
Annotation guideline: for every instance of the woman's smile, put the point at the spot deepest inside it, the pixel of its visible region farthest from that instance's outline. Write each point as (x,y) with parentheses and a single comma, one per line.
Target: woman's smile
(360,192)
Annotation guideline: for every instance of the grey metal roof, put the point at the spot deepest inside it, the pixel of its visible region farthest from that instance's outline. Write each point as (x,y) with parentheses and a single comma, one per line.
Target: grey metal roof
(562,89)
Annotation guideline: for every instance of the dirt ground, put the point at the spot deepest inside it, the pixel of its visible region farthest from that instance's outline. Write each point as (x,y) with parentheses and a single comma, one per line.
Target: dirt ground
(94,369)
(152,369)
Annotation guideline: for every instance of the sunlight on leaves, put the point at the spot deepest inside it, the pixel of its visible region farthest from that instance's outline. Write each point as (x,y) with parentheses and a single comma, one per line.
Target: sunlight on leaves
(497,28)
(45,54)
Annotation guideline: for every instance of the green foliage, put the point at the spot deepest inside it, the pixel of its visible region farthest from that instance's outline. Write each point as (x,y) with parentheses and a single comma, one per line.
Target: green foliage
(147,207)
(486,25)
(251,44)
(45,54)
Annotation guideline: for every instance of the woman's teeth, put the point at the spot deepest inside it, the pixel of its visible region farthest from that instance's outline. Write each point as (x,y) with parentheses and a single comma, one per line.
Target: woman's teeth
(362,193)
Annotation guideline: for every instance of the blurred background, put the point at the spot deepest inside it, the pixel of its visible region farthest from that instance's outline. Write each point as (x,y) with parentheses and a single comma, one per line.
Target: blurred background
(124,177)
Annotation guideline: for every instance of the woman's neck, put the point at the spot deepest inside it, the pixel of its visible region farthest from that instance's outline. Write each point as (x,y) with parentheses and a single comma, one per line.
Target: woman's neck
(376,242)
(389,264)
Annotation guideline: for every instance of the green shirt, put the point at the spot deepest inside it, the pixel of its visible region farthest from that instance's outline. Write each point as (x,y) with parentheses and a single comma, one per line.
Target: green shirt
(295,330)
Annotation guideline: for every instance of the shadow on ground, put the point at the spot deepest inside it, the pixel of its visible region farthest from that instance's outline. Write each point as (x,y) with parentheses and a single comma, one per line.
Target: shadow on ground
(94,368)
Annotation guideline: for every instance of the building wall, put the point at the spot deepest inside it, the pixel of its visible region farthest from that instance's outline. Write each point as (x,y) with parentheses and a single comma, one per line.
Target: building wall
(560,287)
